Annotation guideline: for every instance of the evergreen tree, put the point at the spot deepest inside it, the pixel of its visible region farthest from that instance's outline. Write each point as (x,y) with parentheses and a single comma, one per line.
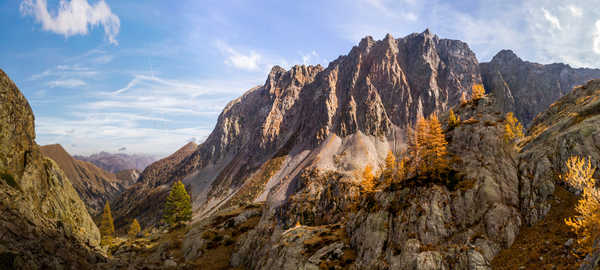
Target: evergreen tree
(390,167)
(453,120)
(178,207)
(368,179)
(107,226)
(478,92)
(134,229)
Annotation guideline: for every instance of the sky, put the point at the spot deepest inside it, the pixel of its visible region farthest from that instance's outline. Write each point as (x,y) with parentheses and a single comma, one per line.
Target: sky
(148,76)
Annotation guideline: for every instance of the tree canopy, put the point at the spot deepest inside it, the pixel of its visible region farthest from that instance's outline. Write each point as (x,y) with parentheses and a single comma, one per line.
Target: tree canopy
(178,207)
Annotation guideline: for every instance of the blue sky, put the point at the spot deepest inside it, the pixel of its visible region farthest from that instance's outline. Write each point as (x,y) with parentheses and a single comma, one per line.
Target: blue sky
(149,76)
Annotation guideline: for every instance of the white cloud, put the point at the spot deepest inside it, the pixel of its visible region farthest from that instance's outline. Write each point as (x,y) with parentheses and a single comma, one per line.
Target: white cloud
(575,11)
(249,61)
(74,17)
(68,83)
(310,58)
(554,21)
(596,44)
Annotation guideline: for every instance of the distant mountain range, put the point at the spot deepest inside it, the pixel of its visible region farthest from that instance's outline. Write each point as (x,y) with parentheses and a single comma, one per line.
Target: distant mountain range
(118,162)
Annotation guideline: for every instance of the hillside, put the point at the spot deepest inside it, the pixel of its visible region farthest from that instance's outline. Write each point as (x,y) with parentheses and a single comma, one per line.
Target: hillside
(94,185)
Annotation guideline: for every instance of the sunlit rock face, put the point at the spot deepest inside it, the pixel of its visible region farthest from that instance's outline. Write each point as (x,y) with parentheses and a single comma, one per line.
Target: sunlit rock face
(44,223)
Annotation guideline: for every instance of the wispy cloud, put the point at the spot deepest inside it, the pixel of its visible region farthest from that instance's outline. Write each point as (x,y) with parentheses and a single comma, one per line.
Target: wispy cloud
(69,83)
(597,38)
(554,21)
(74,17)
(248,61)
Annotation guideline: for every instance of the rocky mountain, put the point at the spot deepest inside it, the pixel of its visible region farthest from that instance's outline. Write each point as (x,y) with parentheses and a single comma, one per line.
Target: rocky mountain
(44,224)
(529,88)
(128,177)
(358,106)
(118,162)
(94,185)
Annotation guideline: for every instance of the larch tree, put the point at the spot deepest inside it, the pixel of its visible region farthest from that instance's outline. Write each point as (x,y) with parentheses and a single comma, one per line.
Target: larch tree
(586,224)
(478,92)
(134,229)
(402,170)
(107,226)
(463,98)
(453,120)
(513,130)
(436,141)
(390,167)
(418,145)
(178,207)
(368,179)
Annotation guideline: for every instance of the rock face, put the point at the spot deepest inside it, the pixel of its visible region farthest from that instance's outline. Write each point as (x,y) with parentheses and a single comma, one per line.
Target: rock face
(94,185)
(118,162)
(128,177)
(44,224)
(365,98)
(529,88)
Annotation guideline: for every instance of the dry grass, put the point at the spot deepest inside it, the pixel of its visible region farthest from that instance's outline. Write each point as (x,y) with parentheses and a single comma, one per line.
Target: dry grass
(541,246)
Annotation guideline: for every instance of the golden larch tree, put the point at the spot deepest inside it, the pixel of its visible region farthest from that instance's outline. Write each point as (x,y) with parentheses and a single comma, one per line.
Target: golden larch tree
(453,120)
(586,224)
(402,170)
(107,226)
(478,92)
(134,229)
(513,129)
(368,179)
(390,167)
(436,141)
(463,98)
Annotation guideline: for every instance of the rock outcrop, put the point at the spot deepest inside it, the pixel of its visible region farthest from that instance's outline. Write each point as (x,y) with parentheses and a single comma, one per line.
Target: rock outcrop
(118,162)
(94,185)
(44,224)
(128,177)
(527,88)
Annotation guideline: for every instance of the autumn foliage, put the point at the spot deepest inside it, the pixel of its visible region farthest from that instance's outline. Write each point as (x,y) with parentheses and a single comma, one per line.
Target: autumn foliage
(428,147)
(453,120)
(134,229)
(478,92)
(368,179)
(587,222)
(107,226)
(513,130)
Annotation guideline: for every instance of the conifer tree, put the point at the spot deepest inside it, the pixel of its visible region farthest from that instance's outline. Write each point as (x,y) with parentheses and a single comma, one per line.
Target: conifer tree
(437,145)
(390,167)
(368,179)
(418,146)
(587,223)
(178,207)
(512,129)
(453,120)
(107,226)
(402,170)
(134,229)
(478,92)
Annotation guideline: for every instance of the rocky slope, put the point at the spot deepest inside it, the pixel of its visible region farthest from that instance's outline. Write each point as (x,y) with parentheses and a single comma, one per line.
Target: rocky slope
(44,224)
(128,177)
(529,88)
(118,162)
(94,185)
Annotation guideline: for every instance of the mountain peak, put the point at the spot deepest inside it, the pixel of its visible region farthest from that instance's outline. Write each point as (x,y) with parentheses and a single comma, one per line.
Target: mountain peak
(506,56)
